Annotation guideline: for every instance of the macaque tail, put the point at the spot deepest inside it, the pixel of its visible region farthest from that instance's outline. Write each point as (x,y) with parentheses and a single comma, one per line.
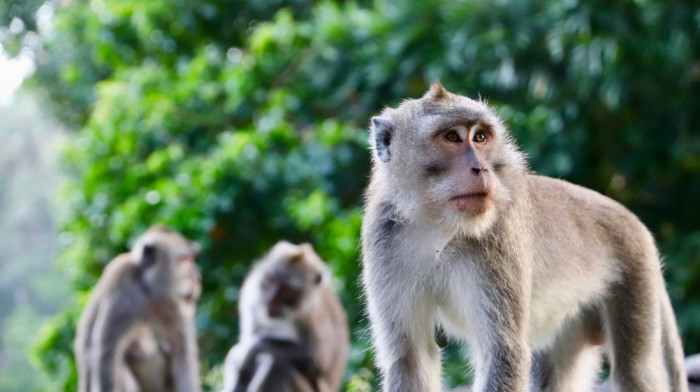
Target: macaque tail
(672,346)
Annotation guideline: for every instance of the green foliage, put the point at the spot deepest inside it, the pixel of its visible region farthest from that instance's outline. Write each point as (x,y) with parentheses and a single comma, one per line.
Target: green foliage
(239,125)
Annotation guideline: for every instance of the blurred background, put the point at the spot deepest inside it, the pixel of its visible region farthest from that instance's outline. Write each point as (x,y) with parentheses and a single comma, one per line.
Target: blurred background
(243,122)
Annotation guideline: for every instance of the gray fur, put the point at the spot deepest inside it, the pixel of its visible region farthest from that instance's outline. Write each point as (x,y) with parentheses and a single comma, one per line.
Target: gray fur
(538,265)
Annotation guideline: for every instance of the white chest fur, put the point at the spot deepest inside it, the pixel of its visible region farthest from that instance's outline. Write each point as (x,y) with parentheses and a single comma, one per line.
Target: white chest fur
(446,281)
(449,283)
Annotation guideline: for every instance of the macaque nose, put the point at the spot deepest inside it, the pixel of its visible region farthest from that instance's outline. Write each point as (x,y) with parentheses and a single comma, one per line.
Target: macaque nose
(472,161)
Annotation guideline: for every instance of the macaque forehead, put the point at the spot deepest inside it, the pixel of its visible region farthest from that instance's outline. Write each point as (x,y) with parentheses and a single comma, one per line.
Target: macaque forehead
(439,109)
(295,255)
(294,260)
(166,240)
(439,117)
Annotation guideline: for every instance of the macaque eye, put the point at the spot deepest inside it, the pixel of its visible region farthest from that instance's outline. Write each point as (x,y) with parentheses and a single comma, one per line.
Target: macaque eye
(317,279)
(479,137)
(453,137)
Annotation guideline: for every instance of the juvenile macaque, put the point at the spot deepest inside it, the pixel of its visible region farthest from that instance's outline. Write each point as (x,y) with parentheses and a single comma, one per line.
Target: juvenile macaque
(137,332)
(458,233)
(294,333)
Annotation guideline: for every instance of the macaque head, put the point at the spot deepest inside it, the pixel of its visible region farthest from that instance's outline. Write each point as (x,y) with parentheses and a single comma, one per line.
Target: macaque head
(446,157)
(167,262)
(290,280)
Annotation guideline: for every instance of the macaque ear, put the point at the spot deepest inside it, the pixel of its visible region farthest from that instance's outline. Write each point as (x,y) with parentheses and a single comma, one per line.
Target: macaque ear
(383,131)
(149,254)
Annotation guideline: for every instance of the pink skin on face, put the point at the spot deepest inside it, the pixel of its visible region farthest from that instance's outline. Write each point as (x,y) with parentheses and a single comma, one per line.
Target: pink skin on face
(473,177)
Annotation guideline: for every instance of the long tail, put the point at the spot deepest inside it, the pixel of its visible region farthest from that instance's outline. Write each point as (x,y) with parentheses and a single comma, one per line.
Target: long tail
(673,348)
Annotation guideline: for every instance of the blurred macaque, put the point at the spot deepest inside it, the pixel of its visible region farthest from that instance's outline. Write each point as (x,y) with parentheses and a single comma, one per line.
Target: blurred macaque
(294,332)
(137,332)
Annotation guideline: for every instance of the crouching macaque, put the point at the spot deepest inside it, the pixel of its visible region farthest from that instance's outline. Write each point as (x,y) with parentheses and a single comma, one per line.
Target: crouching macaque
(460,234)
(294,333)
(137,332)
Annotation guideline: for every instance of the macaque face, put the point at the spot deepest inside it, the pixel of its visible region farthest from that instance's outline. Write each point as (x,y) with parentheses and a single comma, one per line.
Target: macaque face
(444,155)
(284,289)
(188,280)
(168,263)
(459,173)
(291,281)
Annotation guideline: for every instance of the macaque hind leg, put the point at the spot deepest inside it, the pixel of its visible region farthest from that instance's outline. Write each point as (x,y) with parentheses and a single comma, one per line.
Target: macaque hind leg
(572,362)
(632,323)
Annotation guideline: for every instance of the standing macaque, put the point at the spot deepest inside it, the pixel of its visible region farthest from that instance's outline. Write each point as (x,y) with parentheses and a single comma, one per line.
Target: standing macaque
(294,332)
(458,233)
(137,332)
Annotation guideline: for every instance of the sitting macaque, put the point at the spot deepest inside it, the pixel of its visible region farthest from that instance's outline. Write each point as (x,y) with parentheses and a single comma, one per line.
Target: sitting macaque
(294,332)
(137,332)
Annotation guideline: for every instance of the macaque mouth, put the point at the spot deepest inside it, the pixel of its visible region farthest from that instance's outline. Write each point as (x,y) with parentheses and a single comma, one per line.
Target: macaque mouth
(281,297)
(471,202)
(189,296)
(471,195)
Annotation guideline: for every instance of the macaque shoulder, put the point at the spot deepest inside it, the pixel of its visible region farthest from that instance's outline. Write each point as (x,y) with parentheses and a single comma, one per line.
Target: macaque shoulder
(119,279)
(116,273)
(381,224)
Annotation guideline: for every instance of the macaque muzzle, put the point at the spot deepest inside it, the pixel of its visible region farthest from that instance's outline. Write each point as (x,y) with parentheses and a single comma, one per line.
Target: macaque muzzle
(280,297)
